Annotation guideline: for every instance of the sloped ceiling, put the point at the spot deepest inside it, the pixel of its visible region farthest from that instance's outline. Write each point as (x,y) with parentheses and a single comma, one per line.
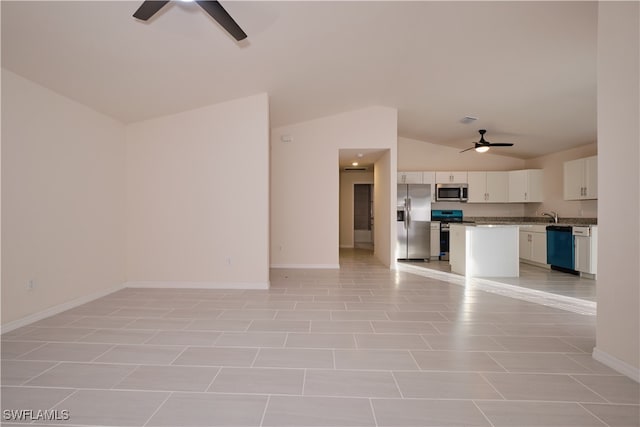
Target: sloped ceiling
(526,70)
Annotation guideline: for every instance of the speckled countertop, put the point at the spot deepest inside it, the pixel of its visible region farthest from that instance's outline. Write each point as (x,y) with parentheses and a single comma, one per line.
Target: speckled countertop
(529,220)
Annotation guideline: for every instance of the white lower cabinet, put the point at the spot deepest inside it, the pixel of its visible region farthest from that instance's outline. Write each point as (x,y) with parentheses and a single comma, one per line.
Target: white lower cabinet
(533,244)
(435,239)
(585,240)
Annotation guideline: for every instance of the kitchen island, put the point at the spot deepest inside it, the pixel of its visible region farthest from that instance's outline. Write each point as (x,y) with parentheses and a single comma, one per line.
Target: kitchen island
(484,250)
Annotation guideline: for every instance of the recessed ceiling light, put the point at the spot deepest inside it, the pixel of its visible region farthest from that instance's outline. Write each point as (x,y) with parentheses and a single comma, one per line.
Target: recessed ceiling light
(354,164)
(360,155)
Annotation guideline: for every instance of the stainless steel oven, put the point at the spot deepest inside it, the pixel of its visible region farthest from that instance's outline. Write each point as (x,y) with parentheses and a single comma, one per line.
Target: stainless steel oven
(445,217)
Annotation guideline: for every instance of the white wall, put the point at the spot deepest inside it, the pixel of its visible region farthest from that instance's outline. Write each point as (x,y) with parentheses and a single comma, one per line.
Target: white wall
(618,290)
(305,182)
(384,208)
(198,196)
(553,167)
(347,181)
(62,199)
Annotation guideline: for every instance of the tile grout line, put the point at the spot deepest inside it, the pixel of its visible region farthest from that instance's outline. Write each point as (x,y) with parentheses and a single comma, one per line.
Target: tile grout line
(594,415)
(264,413)
(178,356)
(488,353)
(75,391)
(158,409)
(395,380)
(304,382)
(112,347)
(492,386)
(255,356)
(19,356)
(373,412)
(24,383)
(572,376)
(482,412)
(206,390)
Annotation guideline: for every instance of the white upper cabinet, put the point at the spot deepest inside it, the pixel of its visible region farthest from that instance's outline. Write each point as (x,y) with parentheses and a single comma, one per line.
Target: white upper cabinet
(581,179)
(429,177)
(409,177)
(459,177)
(525,186)
(488,187)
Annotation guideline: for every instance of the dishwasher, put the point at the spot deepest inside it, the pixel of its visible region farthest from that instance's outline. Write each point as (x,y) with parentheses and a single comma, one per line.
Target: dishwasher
(560,248)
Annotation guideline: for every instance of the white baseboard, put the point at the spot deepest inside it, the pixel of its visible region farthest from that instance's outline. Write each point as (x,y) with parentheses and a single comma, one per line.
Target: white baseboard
(616,364)
(309,266)
(198,285)
(537,264)
(346,246)
(57,309)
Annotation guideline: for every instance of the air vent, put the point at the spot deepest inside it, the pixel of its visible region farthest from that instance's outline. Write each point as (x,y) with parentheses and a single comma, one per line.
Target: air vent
(355,168)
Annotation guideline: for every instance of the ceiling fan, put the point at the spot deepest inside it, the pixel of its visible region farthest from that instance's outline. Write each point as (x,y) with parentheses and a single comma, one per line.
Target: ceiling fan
(483,145)
(213,8)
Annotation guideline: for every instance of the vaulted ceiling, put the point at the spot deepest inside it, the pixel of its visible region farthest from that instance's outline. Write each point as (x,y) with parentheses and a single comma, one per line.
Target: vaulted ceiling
(525,70)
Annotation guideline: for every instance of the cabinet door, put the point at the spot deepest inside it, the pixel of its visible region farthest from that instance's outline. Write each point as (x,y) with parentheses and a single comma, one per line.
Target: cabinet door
(582,255)
(435,239)
(517,186)
(497,186)
(539,247)
(525,186)
(409,177)
(591,177)
(429,178)
(459,177)
(455,177)
(573,179)
(524,245)
(443,177)
(534,191)
(477,187)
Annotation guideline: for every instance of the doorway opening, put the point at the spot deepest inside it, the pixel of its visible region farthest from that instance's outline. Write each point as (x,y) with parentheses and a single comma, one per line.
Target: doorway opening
(363,216)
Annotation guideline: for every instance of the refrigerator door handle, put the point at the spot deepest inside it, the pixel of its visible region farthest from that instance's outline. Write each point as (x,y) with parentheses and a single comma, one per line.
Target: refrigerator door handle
(408,221)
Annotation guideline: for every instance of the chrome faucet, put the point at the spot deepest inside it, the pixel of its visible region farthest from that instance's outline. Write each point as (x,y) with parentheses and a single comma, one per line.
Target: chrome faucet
(552,215)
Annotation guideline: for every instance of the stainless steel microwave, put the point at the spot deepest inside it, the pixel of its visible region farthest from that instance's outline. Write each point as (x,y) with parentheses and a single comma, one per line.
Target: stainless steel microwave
(452,192)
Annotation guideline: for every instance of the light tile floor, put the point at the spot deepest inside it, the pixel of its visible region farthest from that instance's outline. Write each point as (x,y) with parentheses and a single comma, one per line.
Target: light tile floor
(534,277)
(362,346)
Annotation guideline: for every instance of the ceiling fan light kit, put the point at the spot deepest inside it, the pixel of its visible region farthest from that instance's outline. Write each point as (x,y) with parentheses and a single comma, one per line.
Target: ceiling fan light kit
(213,8)
(483,145)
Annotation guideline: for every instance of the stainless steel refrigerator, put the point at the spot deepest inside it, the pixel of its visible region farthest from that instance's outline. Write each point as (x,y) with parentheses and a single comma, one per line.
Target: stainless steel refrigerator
(414,221)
